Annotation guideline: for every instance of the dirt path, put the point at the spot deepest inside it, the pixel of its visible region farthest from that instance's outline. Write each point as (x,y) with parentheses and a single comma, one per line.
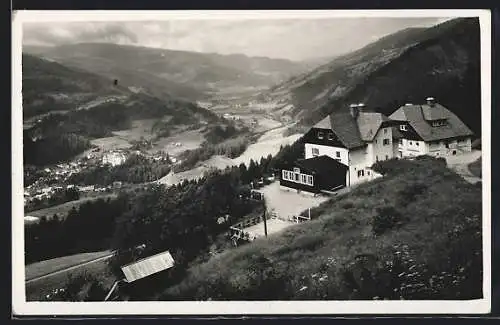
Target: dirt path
(460,164)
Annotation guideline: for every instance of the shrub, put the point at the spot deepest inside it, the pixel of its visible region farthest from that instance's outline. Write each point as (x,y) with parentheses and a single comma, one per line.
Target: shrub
(410,191)
(83,287)
(386,219)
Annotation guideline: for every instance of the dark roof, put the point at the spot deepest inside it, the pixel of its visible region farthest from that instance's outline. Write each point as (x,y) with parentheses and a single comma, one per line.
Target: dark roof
(354,132)
(321,164)
(420,117)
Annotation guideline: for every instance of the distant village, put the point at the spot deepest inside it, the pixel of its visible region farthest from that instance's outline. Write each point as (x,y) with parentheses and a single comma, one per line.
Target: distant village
(56,178)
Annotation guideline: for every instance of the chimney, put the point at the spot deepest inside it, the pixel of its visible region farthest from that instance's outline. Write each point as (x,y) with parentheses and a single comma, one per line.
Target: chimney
(354,110)
(431,101)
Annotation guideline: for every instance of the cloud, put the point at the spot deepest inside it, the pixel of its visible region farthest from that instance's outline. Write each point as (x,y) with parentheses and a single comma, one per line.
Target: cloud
(64,33)
(295,39)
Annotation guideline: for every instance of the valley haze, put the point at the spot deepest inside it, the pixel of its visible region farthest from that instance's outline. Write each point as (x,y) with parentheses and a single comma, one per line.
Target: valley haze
(254,161)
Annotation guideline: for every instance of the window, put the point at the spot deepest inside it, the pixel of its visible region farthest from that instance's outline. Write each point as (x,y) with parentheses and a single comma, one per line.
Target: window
(387,142)
(411,143)
(447,145)
(284,175)
(385,131)
(310,180)
(337,154)
(315,151)
(376,158)
(417,143)
(386,157)
(361,173)
(376,141)
(402,127)
(401,141)
(296,170)
(320,135)
(330,136)
(303,179)
(297,177)
(368,173)
(439,123)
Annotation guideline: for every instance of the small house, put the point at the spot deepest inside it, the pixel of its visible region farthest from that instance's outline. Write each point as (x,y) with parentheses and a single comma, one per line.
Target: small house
(314,175)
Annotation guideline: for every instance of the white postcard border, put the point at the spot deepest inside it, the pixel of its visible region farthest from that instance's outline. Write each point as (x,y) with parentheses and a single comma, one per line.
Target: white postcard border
(21,307)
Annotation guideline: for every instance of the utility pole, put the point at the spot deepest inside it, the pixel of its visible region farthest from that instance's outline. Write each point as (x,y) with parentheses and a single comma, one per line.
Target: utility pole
(265,223)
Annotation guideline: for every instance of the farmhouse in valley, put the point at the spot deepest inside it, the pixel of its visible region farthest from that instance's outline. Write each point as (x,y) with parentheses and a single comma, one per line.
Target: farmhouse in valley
(340,150)
(431,129)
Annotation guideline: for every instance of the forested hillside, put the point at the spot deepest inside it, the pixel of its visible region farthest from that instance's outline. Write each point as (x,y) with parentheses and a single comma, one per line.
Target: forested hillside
(406,67)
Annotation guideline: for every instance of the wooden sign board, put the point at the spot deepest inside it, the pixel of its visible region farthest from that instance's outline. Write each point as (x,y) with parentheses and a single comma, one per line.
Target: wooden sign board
(147,266)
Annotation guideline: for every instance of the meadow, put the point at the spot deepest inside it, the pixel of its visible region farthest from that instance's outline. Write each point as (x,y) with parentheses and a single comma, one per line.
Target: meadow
(413,234)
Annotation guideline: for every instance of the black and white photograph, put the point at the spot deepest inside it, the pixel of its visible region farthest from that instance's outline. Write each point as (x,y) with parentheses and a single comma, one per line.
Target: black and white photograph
(245,162)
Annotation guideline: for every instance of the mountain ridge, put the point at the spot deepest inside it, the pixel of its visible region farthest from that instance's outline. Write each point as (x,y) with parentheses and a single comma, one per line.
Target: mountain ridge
(190,75)
(407,66)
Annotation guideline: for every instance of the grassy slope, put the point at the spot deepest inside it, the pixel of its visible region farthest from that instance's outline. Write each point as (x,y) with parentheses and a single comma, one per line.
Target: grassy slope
(320,259)
(44,82)
(36,291)
(55,264)
(62,209)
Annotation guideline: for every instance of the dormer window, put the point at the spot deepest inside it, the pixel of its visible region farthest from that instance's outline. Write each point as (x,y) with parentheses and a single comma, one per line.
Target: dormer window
(437,123)
(402,127)
(321,135)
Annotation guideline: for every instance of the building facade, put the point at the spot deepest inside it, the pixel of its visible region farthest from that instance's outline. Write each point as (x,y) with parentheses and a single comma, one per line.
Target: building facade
(354,141)
(431,129)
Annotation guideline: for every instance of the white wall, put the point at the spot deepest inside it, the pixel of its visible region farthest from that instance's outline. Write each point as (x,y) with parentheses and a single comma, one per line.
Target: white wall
(358,160)
(380,151)
(412,148)
(438,149)
(327,150)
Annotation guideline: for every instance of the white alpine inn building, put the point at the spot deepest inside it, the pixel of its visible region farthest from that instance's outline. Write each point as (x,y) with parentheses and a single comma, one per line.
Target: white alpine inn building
(431,129)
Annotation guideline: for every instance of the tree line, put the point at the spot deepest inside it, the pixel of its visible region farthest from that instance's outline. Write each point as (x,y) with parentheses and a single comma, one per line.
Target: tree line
(136,169)
(84,229)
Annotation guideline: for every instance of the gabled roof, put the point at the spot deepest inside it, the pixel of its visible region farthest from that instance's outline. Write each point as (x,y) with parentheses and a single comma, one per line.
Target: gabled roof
(354,132)
(147,266)
(420,118)
(321,164)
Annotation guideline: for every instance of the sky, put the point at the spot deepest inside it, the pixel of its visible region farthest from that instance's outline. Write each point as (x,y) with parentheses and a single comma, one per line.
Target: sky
(294,39)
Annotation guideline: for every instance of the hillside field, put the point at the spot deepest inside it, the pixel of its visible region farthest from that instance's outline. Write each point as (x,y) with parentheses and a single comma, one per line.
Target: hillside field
(413,234)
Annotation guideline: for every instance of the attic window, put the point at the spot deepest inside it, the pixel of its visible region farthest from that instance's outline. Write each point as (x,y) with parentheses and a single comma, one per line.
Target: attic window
(330,136)
(320,135)
(438,123)
(402,127)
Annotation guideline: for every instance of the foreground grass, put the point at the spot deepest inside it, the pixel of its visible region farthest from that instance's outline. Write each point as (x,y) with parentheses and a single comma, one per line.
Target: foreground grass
(475,168)
(45,267)
(413,234)
(37,290)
